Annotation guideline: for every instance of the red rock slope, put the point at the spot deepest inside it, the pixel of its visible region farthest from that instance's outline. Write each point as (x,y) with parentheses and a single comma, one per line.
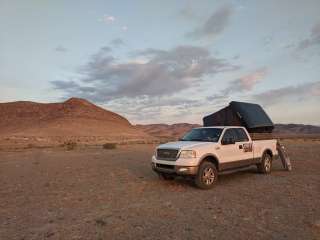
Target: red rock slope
(74,117)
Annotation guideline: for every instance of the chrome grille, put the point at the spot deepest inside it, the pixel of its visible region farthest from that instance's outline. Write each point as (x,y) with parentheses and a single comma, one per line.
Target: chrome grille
(167,154)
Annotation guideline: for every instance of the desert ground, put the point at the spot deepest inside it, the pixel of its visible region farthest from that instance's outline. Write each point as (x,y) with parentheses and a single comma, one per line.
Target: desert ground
(95,193)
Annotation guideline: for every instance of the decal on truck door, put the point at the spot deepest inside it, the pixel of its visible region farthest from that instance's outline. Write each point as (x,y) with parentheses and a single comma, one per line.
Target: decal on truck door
(247,147)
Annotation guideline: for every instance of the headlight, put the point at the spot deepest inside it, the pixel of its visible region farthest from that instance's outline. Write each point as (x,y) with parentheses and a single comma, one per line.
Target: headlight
(155,153)
(187,154)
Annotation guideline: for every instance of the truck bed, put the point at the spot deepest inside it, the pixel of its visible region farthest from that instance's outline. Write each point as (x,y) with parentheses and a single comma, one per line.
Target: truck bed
(262,136)
(259,146)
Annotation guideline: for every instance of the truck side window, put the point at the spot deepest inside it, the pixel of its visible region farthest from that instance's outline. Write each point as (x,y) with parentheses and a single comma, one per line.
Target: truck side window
(241,135)
(229,133)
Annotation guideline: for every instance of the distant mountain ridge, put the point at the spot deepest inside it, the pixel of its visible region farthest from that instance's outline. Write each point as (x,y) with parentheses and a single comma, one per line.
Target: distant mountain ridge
(167,130)
(179,129)
(296,129)
(78,117)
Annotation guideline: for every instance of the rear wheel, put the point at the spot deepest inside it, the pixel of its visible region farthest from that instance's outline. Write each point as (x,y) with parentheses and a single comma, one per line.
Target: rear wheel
(266,164)
(207,175)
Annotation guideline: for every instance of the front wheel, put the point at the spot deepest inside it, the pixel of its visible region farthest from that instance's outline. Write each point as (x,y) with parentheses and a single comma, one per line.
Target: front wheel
(266,164)
(207,175)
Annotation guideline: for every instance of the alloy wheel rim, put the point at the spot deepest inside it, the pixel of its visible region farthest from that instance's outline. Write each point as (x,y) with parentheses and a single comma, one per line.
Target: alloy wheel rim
(267,164)
(208,176)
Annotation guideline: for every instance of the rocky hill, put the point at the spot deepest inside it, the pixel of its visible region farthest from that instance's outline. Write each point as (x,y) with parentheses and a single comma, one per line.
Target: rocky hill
(77,118)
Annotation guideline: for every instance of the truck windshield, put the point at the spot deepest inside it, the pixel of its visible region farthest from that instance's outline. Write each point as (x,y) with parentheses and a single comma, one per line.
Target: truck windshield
(203,135)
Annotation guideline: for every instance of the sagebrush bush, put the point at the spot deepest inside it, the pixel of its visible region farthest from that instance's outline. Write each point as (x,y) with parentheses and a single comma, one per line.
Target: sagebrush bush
(70,145)
(109,145)
(30,145)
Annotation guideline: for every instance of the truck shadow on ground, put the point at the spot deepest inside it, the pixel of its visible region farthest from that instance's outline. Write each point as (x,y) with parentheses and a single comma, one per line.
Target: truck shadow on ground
(232,177)
(224,178)
(144,173)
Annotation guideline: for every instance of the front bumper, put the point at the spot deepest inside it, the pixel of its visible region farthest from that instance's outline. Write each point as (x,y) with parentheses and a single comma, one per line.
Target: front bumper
(164,167)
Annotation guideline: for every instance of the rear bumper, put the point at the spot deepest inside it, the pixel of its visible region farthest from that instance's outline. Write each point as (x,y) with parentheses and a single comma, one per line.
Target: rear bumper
(173,169)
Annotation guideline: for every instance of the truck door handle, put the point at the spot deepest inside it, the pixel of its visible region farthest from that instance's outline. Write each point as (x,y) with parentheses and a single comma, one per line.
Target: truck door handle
(240,147)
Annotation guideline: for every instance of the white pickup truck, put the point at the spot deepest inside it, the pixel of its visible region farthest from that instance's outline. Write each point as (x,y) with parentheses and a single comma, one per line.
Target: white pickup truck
(204,152)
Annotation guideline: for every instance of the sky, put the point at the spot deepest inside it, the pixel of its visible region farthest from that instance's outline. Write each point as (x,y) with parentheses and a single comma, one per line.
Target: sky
(164,61)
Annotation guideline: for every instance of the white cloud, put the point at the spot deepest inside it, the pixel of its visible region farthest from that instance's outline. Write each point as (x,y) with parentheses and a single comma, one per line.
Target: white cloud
(290,93)
(153,73)
(107,19)
(247,82)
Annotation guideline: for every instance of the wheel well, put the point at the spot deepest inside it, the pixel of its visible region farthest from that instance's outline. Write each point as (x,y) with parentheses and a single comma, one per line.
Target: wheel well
(211,159)
(268,151)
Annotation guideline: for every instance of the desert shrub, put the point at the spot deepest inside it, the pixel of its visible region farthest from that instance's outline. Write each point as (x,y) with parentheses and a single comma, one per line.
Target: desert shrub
(70,145)
(100,222)
(109,145)
(30,145)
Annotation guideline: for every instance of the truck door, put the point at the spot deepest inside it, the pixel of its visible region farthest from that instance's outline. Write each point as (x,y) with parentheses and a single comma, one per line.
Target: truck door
(229,151)
(234,150)
(244,145)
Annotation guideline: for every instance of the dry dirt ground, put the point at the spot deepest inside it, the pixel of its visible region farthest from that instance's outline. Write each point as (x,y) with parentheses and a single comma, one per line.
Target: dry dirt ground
(94,193)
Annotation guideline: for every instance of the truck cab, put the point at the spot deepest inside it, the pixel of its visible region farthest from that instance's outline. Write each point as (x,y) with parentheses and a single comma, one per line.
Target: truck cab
(205,152)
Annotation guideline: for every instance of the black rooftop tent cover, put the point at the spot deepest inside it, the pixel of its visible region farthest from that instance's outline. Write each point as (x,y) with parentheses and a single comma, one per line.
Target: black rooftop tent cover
(250,115)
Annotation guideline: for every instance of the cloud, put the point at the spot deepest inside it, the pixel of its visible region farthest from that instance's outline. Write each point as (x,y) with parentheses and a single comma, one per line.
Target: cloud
(151,109)
(107,19)
(149,88)
(242,84)
(117,42)
(163,74)
(312,40)
(214,25)
(298,92)
(61,49)
(124,28)
(65,84)
(187,13)
(72,88)
(245,83)
(145,103)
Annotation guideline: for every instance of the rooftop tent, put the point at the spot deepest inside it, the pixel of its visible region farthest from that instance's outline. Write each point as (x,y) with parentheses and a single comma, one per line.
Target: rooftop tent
(252,116)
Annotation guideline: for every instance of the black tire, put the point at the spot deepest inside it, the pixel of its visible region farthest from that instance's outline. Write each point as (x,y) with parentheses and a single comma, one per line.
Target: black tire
(266,164)
(166,176)
(207,175)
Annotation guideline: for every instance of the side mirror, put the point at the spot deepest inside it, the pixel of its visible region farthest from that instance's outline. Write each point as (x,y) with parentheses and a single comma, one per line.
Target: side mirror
(228,141)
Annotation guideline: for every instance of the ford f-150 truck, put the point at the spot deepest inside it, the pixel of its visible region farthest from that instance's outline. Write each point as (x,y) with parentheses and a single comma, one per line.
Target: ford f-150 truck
(204,152)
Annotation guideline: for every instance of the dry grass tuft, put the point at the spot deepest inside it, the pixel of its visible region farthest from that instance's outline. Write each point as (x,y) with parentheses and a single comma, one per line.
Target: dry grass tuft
(69,145)
(109,146)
